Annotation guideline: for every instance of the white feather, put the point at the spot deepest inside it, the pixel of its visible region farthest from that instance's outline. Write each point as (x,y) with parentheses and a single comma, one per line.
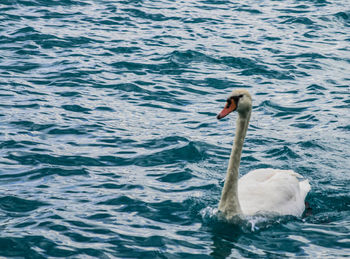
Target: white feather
(272,191)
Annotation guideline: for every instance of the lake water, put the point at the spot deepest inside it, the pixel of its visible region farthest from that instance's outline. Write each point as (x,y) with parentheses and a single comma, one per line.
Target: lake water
(110,146)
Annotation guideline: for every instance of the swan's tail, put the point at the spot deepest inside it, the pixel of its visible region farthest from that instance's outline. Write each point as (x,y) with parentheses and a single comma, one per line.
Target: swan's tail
(304,188)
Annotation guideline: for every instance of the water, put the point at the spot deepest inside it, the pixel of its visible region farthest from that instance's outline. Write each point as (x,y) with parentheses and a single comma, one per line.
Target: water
(109,143)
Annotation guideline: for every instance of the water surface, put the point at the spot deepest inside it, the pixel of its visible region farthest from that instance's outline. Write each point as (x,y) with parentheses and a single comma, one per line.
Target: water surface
(109,141)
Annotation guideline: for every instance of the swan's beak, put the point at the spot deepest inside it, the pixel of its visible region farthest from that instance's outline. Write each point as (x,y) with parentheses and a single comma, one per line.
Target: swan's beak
(230,107)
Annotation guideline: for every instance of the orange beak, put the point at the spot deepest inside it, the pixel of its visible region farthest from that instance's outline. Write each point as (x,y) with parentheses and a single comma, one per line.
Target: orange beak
(230,107)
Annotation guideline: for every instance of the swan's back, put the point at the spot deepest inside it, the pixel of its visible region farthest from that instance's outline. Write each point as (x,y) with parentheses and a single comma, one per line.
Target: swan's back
(272,191)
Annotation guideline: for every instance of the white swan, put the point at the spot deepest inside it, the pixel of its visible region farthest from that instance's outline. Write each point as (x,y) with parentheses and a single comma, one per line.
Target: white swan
(262,190)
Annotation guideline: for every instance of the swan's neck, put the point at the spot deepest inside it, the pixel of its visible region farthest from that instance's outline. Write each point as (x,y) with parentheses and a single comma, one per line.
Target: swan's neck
(229,203)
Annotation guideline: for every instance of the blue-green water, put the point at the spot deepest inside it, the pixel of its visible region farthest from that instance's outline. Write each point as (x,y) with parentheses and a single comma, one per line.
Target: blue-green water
(109,143)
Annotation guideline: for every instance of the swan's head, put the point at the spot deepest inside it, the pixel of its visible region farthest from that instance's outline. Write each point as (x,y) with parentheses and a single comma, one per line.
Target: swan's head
(239,100)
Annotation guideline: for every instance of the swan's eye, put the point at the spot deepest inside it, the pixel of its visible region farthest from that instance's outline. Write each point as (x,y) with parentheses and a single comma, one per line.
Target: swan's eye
(233,98)
(228,102)
(236,98)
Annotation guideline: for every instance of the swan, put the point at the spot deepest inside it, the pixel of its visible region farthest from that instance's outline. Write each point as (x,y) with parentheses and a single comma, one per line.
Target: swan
(268,191)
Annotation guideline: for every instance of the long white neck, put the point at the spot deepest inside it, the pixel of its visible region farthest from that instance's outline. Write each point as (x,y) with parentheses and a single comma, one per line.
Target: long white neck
(229,203)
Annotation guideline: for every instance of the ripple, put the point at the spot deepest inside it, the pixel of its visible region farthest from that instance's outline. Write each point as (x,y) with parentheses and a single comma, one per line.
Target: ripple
(17,247)
(281,111)
(72,131)
(44,172)
(15,204)
(163,142)
(176,177)
(283,153)
(296,20)
(344,17)
(148,16)
(184,57)
(189,152)
(76,108)
(118,186)
(35,159)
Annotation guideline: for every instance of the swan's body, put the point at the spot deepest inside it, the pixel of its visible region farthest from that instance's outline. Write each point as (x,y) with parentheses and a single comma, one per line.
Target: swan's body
(263,190)
(273,191)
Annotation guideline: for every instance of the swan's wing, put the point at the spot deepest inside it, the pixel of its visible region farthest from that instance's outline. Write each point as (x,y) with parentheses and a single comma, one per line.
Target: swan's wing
(272,190)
